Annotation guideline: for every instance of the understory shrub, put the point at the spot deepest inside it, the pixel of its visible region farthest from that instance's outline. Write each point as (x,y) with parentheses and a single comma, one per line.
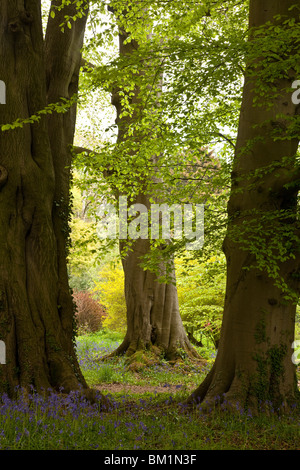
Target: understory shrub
(90,313)
(109,289)
(201,293)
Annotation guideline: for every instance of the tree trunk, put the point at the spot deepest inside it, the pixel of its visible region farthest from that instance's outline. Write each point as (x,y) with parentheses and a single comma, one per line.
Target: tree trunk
(36,311)
(153,317)
(253,363)
(63,59)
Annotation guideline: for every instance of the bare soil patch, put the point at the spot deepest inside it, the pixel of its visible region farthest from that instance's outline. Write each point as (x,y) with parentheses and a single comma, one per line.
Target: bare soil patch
(131,388)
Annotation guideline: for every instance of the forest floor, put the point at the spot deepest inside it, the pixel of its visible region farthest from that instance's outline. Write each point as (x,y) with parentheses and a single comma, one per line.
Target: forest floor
(112,388)
(157,390)
(145,411)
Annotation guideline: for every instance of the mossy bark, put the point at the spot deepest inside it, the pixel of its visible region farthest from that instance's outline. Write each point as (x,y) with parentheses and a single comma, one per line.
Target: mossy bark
(36,311)
(153,317)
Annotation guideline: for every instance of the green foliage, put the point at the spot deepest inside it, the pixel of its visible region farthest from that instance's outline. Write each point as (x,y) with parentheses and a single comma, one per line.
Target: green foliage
(109,289)
(82,257)
(91,267)
(173,162)
(84,244)
(60,107)
(87,252)
(201,53)
(201,291)
(81,6)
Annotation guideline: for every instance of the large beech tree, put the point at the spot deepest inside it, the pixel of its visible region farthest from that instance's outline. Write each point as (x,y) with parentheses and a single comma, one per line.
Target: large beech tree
(254,362)
(153,317)
(36,308)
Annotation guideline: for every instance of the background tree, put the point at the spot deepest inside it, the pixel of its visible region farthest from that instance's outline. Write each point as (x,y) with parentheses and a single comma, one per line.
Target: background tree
(153,317)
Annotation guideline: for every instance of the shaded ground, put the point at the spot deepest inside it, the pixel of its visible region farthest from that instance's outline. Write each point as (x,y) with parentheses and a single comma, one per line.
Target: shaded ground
(140,388)
(130,388)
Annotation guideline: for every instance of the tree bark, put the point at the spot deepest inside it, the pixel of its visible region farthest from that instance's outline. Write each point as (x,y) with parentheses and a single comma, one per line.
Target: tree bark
(253,363)
(36,312)
(63,60)
(153,317)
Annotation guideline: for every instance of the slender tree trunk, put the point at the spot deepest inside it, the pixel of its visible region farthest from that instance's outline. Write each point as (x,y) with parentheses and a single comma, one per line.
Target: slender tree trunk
(153,317)
(254,362)
(36,307)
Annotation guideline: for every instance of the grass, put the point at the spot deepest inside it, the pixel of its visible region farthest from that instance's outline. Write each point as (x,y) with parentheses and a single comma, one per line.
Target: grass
(91,348)
(136,421)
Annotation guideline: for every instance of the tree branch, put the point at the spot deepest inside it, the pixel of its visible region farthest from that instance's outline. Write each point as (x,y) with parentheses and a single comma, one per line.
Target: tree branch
(86,65)
(79,150)
(227,139)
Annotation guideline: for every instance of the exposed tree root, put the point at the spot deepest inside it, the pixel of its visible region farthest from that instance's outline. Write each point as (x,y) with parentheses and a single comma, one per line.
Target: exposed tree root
(232,393)
(135,348)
